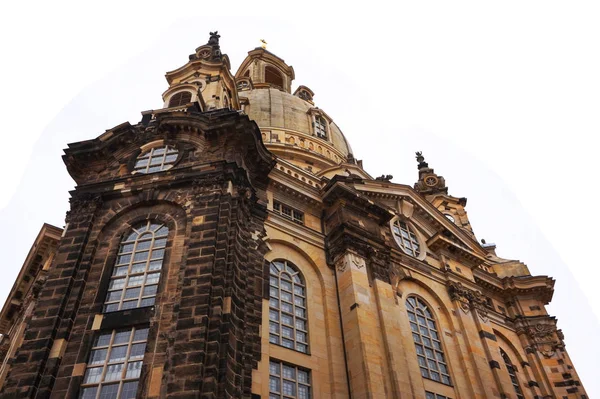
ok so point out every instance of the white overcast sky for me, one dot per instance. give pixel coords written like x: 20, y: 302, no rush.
x: 502, y: 98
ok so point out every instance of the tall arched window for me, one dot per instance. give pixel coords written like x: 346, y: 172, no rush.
x: 134, y: 281
x: 179, y: 99
x: 287, y: 307
x: 273, y: 76
x: 428, y: 343
x: 512, y: 372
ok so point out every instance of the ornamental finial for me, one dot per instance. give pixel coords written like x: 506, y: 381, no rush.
x: 421, y: 160
x: 263, y: 44
x: 214, y: 38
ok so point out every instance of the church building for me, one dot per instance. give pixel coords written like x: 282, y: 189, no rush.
x: 230, y: 245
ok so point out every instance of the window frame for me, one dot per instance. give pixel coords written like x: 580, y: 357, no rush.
x: 142, y: 229
x: 281, y: 379
x: 433, y: 395
x: 107, y: 363
x: 296, y: 310
x: 160, y: 151
x: 430, y: 319
x: 180, y: 99
x: 512, y: 374
x: 320, y: 120
x: 413, y: 238
x: 292, y: 214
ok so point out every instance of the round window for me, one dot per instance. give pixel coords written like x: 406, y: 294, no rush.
x: 406, y: 238
x: 156, y: 160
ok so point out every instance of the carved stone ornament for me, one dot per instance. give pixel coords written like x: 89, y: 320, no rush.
x: 83, y: 204
x: 397, y: 274
x: 357, y: 261
x: 341, y: 265
x: 468, y: 299
x: 542, y: 334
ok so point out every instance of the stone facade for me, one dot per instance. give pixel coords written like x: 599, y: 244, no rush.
x: 382, y: 289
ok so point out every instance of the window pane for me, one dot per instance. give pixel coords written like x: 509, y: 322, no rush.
x: 103, y: 340
x: 92, y: 375
x: 129, y: 390
x: 141, y: 334
x: 132, y: 293
x: 122, y: 337
x: 134, y: 369
x: 274, y: 384
x: 109, y: 391
x: 137, y: 351
x: 118, y: 354
x: 303, y: 377
x: 98, y: 356
x: 114, y: 372
x: 147, y: 302
x: 89, y: 393
x: 116, y: 284
x: 114, y: 296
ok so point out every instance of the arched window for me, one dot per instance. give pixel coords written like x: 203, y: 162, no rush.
x: 134, y: 281
x: 428, y: 344
x: 273, y: 76
x: 156, y: 160
x: 406, y: 238
x: 287, y: 307
x: 512, y: 374
x: 179, y: 99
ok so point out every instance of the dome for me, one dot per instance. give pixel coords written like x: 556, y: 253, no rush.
x: 292, y: 127
x: 287, y: 123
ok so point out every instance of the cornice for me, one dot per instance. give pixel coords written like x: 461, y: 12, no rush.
x: 425, y: 209
x: 439, y: 242
x: 283, y: 182
x: 342, y: 187
x: 541, y: 287
x: 295, y: 230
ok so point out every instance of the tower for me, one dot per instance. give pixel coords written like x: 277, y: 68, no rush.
x: 230, y: 245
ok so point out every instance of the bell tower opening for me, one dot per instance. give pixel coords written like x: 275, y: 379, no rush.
x: 272, y: 76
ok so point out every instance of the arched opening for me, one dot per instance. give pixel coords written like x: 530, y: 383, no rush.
x: 288, y: 317
x: 273, y: 77
x: 179, y: 99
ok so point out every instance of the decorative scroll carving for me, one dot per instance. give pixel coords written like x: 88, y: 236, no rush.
x: 468, y: 299
x: 357, y: 261
x: 341, y: 265
x: 397, y: 274
x: 541, y: 333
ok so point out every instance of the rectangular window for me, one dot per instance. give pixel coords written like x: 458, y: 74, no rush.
x: 431, y: 395
x: 288, y: 212
x: 114, y: 365
x: 320, y: 127
x: 287, y: 381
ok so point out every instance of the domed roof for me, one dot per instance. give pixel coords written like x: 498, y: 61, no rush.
x: 273, y: 108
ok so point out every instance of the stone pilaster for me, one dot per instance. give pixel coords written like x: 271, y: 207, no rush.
x: 366, y: 363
